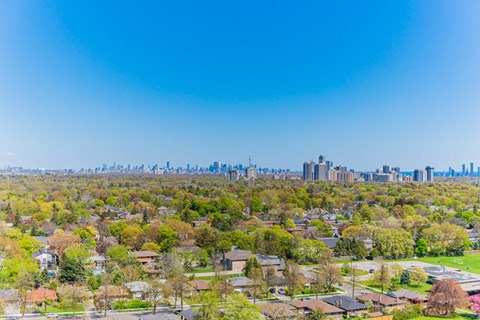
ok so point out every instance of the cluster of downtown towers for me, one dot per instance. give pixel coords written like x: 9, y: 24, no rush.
x: 325, y: 171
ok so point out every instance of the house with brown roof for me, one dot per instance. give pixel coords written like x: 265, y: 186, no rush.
x: 278, y: 311
x: 235, y: 260
x: 381, y: 300
x: 410, y: 296
x: 200, y: 285
x: 145, y: 257
x: 307, y: 307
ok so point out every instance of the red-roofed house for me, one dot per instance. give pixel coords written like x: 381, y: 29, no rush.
x: 40, y: 296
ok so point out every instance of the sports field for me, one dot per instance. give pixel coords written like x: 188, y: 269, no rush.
x: 469, y: 263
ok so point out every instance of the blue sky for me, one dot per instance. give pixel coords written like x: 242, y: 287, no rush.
x: 363, y: 82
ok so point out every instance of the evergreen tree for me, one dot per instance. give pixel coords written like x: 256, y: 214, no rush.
x: 253, y: 268
x: 72, y: 270
x: 405, y: 277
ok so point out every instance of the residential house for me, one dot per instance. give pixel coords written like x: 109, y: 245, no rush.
x: 411, y: 296
x: 46, y: 259
x: 274, y: 263
x: 235, y: 260
x: 44, y: 240
x: 241, y: 284
x: 474, y: 236
x: 350, y: 307
x: 330, y: 242
x: 115, y: 212
x: 138, y: 289
x: 145, y: 257
x: 200, y: 285
x: 114, y: 293
x: 40, y: 296
x: 278, y: 311
x: 307, y: 307
x: 11, y: 300
x: 167, y: 212
x: 381, y: 300
x: 98, y: 261
x: 187, y: 314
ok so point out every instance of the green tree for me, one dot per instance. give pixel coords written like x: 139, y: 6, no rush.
x: 207, y: 306
x: 167, y: 238
x: 24, y: 283
x: 418, y: 274
x: 253, y: 268
x: 293, y: 278
x: 382, y: 276
x: 405, y: 278
x: 330, y: 274
x: 421, y: 247
x: 318, y: 314
x: 72, y: 265
x: 239, y: 308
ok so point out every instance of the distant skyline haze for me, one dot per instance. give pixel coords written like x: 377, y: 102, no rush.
x: 364, y: 83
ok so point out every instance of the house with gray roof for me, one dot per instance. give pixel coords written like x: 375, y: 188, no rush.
x: 269, y: 262
x: 350, y: 307
x: 46, y: 259
x: 241, y: 283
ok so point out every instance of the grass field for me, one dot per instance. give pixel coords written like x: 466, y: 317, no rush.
x: 471, y: 261
x: 423, y: 288
x: 453, y: 316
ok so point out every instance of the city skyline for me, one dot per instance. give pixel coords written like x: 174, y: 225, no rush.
x: 375, y: 82
x: 217, y: 166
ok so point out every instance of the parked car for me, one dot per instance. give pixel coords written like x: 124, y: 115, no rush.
x: 282, y: 291
x: 371, y: 271
x: 52, y: 315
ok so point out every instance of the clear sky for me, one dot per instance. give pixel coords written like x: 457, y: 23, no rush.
x: 363, y: 82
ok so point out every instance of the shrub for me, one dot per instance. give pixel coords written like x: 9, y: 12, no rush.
x: 132, y: 304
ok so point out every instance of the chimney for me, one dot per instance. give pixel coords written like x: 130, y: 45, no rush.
x: 336, y: 303
x: 341, y: 301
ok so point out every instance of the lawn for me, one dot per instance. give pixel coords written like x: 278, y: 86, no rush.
x: 358, y: 272
x: 52, y: 309
x: 453, y: 316
x: 423, y: 288
x: 195, y: 271
x: 225, y: 276
x: 471, y: 261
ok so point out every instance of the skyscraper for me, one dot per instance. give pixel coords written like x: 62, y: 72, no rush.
x: 251, y: 173
x: 233, y: 175
x: 322, y: 159
x: 308, y: 170
x: 429, y: 174
x: 320, y: 172
x: 418, y: 175
x: 471, y: 169
x: 463, y: 169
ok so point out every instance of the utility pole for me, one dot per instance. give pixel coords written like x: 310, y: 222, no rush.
x: 352, y: 270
